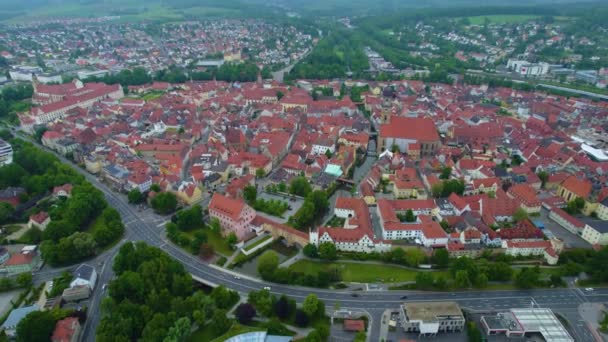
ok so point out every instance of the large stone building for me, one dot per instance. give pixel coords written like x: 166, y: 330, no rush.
x: 234, y: 215
x: 408, y: 133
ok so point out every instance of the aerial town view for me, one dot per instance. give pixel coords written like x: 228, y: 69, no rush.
x: 289, y: 170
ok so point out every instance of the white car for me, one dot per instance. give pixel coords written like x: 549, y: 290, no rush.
x: 589, y: 289
x: 267, y: 288
x: 237, y: 277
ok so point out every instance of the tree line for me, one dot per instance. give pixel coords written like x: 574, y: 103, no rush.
x: 65, y: 240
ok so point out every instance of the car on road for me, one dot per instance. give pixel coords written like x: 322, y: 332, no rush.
x: 354, y: 295
x: 237, y: 277
x: 103, y: 288
x: 403, y: 297
x: 589, y: 289
x: 267, y: 288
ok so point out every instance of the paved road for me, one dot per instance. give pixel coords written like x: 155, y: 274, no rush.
x: 141, y: 227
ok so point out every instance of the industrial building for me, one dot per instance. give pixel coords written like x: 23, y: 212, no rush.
x: 430, y: 318
x: 518, y: 323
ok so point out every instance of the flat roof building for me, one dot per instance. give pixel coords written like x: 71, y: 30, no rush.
x: 6, y: 153
x: 430, y: 318
x: 519, y: 322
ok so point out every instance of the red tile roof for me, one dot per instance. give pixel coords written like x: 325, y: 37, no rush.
x: 227, y: 206
x: 354, y: 325
x: 420, y: 129
x: 65, y: 329
x: 579, y: 187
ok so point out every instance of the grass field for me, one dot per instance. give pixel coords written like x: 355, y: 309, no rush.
x: 364, y: 273
x: 152, y: 95
x: 501, y: 19
x: 257, y: 243
x: 129, y: 11
x: 219, y: 243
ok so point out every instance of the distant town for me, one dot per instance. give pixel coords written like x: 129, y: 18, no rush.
x: 464, y: 156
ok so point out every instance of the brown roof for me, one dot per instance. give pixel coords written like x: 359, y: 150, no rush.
x: 579, y: 187
x: 354, y: 325
x: 420, y: 129
x: 227, y: 206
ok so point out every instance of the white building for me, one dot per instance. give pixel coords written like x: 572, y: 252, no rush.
x: 431, y: 318
x: 84, y: 275
x: 526, y: 68
x: 6, y: 153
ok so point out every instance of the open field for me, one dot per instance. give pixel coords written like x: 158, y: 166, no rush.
x: 129, y: 11
x: 501, y: 19
x: 364, y: 273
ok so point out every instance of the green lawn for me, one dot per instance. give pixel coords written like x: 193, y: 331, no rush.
x: 219, y: 243
x: 152, y: 95
x: 364, y: 273
x: 257, y: 243
x: 501, y: 19
x: 204, y: 334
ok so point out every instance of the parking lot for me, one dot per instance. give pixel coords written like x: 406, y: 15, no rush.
x: 570, y: 240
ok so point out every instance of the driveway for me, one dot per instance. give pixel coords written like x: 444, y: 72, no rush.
x: 570, y: 240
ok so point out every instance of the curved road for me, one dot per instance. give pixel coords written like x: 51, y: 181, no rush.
x: 564, y: 300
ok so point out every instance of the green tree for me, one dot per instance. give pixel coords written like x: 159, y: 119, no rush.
x: 360, y: 337
x: 424, y: 280
x: 179, y: 331
x: 310, y: 251
x: 36, y: 326
x: 232, y: 239
x: 544, y: 177
x: 264, y: 302
x: 268, y: 264
x: 437, y: 190
x: 520, y: 215
x: 250, y: 194
x: 223, y: 297
x: 164, y: 203
x: 409, y: 216
x: 135, y: 196
x: 328, y: 251
x: 155, y: 188
x: 260, y: 173
x: 189, y: 219
x: 24, y: 280
x: 311, y: 305
x: 441, y: 257
x: 527, y: 277
x: 300, y: 186
x: 446, y: 172
x: 6, y: 212
x: 414, y: 257
x: 462, y: 280
x: 500, y: 271
x: 481, y: 280
x: 219, y: 322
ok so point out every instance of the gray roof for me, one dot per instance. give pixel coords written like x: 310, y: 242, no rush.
x: 84, y: 271
x: 17, y: 315
x: 600, y: 226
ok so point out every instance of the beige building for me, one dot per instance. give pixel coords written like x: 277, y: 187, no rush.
x: 430, y: 318
x: 596, y: 232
